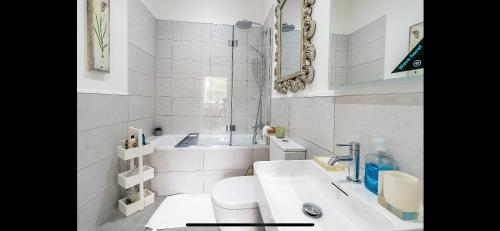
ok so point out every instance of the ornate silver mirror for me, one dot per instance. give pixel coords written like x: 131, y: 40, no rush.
x: 295, y: 52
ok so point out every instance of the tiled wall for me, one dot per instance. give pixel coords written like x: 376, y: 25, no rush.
x: 320, y: 122
x: 308, y: 121
x: 359, y: 56
x: 188, y: 54
x: 103, y: 121
x: 396, y: 117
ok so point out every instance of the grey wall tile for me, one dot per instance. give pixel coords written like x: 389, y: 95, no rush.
x: 220, y: 53
x: 146, y: 124
x: 187, y: 31
x: 96, y: 110
x: 165, y: 122
x: 240, y: 54
x: 140, y: 107
x: 239, y: 89
x: 95, y: 144
x: 253, y: 56
x: 186, y: 106
x: 139, y: 60
x: 186, y: 50
x: 140, y: 37
x: 397, y: 118
x: 312, y: 149
x: 186, y: 88
x: 185, y: 124
x: 97, y: 210
x: 164, y: 48
x: 280, y: 112
x: 254, y: 72
x: 340, y: 76
x: 367, y: 53
x: 368, y: 33
x: 206, y: 31
x: 366, y: 72
x: 186, y: 69
x: 93, y: 179
x: 140, y: 84
x: 221, y: 70
x: 312, y: 119
x: 141, y: 14
x: 163, y: 105
x: 164, y: 68
x: 255, y: 36
x: 163, y: 87
x: 240, y: 71
x: 241, y: 35
x: 222, y: 33
x: 165, y: 29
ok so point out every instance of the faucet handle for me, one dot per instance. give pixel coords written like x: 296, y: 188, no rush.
x: 351, y: 145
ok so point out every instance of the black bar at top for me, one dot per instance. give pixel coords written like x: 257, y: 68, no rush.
x: 251, y: 224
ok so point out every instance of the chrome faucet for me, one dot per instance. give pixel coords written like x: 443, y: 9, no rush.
x: 353, y: 157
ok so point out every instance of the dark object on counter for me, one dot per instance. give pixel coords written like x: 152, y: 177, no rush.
x: 126, y: 144
x: 158, y: 132
x: 189, y: 140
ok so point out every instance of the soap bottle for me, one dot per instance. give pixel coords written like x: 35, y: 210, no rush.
x: 375, y: 162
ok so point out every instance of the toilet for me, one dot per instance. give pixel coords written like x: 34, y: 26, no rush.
x: 235, y: 201
x: 235, y: 198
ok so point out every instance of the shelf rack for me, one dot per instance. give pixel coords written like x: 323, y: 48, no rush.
x: 135, y: 175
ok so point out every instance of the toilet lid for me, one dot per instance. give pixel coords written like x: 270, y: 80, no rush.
x: 235, y: 193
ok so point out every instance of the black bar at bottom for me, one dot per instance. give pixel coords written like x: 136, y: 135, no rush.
x: 251, y: 224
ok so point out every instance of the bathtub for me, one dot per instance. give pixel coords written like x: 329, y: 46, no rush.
x: 168, y: 141
x: 195, y: 169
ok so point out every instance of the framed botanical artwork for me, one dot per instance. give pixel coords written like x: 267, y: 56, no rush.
x: 98, y: 35
x: 416, y: 34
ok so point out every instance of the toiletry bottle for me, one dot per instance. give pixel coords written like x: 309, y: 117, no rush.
x: 143, y: 139
x: 375, y: 162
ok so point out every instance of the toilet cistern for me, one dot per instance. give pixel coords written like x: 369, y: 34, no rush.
x: 353, y: 158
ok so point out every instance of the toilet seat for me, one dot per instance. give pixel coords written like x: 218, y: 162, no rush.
x: 235, y: 193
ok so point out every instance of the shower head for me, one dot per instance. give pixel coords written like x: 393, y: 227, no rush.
x: 245, y: 24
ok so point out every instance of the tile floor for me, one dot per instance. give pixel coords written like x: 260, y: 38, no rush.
x: 137, y: 221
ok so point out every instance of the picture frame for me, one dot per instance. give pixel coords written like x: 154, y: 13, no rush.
x: 98, y: 35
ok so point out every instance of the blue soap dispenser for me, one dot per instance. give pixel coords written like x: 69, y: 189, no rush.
x: 375, y: 162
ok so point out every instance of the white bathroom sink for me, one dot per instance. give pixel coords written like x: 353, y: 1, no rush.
x: 284, y: 186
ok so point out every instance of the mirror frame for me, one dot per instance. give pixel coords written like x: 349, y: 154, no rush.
x: 295, y: 81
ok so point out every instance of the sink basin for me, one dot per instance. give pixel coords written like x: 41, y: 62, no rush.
x: 284, y: 186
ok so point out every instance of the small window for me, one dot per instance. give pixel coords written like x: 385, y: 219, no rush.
x: 215, y: 90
